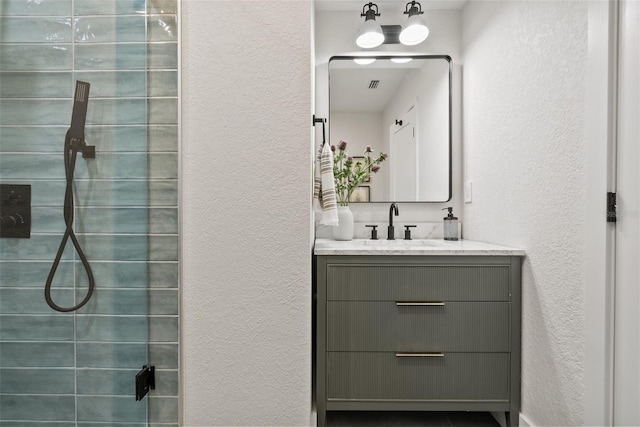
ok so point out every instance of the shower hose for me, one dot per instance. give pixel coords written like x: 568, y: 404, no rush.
x: 71, y: 148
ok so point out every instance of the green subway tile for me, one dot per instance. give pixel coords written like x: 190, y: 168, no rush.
x: 115, y: 274
x: 36, y: 355
x: 112, y: 220
x: 163, y: 329
x: 47, y: 220
x: 163, y: 220
x: 163, y: 301
x: 112, y: 328
x: 37, y: 408
x: 37, y: 381
x: 35, y: 85
x: 162, y: 28
x: 31, y: 165
x: 38, y: 247
x: 163, y: 138
x: 36, y: 328
x: 163, y: 356
x: 34, y: 274
x: 112, y: 57
x: 44, y: 192
x: 112, y: 29
x: 110, y: 424
x: 115, y: 83
x: 128, y: 138
x: 163, y: 83
x: 36, y: 30
x: 116, y: 302
x: 163, y: 248
x: 166, y: 383
x: 29, y: 139
x: 163, y: 165
x: 163, y: 6
x: 35, y: 112
x: 36, y: 8
x: 163, y: 409
x: 122, y: 111
x: 39, y: 424
x: 111, y: 355
x: 163, y: 274
x: 163, y: 192
x: 107, y: 382
x: 163, y: 56
x: 17, y: 57
x: 114, y: 166
x: 130, y: 247
x: 111, y: 409
x: 109, y: 7
x: 31, y: 300
x: 163, y: 111
x: 113, y: 193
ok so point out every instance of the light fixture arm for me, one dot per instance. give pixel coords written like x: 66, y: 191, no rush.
x: 413, y: 10
x: 370, y: 13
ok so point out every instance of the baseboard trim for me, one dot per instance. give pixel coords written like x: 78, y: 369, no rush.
x: 525, y: 422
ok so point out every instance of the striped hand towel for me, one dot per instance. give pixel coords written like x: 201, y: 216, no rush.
x: 324, y: 187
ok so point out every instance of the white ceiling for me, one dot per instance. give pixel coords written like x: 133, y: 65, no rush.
x: 350, y: 88
x: 346, y: 5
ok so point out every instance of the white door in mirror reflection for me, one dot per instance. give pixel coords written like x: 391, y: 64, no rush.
x: 403, y: 157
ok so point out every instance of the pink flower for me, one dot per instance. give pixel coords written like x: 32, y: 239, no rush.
x: 342, y: 146
x: 368, y: 149
x: 333, y: 148
x: 375, y: 168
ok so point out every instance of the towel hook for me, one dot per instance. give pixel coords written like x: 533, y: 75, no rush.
x: 323, y: 121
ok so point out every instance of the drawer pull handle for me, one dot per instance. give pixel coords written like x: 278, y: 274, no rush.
x: 418, y: 304
x: 419, y: 355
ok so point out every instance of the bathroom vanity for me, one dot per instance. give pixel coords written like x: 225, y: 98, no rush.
x: 418, y: 325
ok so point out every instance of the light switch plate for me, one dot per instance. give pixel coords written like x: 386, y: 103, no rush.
x: 467, y: 191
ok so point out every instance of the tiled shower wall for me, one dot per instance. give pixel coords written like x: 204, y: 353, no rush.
x: 78, y: 369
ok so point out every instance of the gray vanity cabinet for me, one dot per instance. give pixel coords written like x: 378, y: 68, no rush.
x: 432, y: 333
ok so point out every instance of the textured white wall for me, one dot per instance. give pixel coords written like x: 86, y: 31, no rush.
x: 246, y: 192
x: 523, y: 138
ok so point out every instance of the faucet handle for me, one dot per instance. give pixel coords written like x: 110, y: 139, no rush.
x: 374, y: 231
x: 407, y: 231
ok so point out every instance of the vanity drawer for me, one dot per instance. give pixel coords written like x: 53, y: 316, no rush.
x: 387, y: 376
x: 353, y: 282
x: 391, y: 326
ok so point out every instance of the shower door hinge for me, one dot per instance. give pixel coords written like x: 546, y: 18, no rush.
x: 611, y: 207
x: 145, y: 381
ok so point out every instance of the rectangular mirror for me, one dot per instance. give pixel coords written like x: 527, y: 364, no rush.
x: 400, y: 105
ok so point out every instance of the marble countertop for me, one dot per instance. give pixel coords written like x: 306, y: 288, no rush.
x: 412, y: 247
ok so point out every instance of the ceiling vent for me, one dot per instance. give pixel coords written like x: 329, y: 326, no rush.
x: 374, y: 84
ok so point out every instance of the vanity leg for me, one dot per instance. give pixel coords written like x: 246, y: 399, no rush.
x: 512, y: 418
x: 322, y: 418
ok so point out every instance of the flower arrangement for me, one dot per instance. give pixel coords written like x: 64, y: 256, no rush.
x: 348, y: 175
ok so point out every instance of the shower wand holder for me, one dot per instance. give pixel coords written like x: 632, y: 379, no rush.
x: 88, y: 151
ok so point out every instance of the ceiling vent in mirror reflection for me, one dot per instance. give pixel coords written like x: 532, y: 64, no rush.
x: 417, y: 94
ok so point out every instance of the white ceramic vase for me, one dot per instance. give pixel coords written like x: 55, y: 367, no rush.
x: 344, y: 229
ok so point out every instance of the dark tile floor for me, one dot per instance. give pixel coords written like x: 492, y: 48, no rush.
x: 410, y: 419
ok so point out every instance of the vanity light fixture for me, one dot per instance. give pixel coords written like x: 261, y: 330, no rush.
x: 364, y: 60
x: 414, y: 30
x: 370, y: 33
x: 401, y: 59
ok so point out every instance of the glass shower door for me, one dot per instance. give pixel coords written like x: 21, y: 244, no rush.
x: 79, y: 368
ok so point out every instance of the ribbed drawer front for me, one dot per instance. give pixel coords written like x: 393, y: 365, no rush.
x: 411, y: 282
x: 383, y: 376
x: 385, y: 326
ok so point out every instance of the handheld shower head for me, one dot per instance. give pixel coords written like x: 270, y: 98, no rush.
x: 79, y: 114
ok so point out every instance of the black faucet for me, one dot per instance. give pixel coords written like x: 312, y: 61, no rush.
x: 390, y: 232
